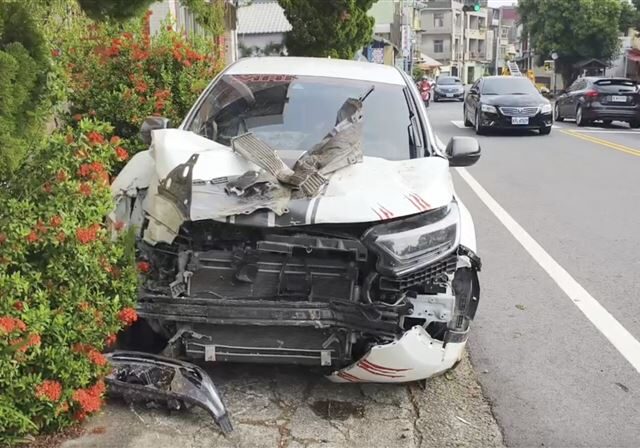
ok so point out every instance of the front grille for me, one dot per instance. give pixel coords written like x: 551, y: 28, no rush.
x: 519, y: 111
x: 429, y: 274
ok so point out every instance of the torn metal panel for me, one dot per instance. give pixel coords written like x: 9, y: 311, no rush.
x: 145, y: 377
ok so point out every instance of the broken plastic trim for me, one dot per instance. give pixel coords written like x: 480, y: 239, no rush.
x: 177, y: 185
x: 140, y: 376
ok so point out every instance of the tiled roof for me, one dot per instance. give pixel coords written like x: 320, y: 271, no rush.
x: 262, y: 17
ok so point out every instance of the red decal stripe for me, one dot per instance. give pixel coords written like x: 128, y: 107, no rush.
x: 379, y: 367
x: 422, y: 202
x: 348, y: 377
x: 375, y: 372
x: 386, y: 211
x: 414, y: 202
x: 378, y: 213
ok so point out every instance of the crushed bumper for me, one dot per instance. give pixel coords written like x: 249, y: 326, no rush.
x: 140, y: 376
x: 415, y: 356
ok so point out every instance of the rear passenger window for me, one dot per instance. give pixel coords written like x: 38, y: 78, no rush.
x: 615, y: 85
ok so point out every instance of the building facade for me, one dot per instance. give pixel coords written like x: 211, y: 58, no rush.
x: 172, y: 11
x: 457, y: 39
x: 262, y: 27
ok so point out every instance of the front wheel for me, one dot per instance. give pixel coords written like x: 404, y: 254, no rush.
x: 545, y: 131
x: 634, y: 124
x: 556, y: 114
x: 480, y: 130
x: 467, y: 122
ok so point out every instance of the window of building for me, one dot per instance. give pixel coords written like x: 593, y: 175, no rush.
x: 438, y: 46
x: 438, y: 20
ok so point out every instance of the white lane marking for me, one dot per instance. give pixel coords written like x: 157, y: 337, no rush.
x: 620, y: 338
x: 458, y: 123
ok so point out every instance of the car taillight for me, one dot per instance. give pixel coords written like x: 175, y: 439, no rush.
x: 591, y: 94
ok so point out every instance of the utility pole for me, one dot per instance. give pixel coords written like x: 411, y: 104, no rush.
x: 498, y: 38
x: 464, y: 44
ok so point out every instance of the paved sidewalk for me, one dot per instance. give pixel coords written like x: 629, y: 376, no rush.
x: 294, y: 408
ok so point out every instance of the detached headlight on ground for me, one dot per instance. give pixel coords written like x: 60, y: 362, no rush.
x: 488, y: 108
x: 409, y: 244
x: 546, y: 109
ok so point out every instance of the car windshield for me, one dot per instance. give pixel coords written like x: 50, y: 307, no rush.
x: 293, y: 113
x: 448, y: 81
x: 508, y: 85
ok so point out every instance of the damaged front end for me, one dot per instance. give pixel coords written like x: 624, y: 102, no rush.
x: 326, y: 295
x: 241, y: 270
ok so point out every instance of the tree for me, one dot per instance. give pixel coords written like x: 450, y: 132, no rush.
x: 334, y: 28
x: 629, y: 16
x: 575, y: 29
x: 23, y: 67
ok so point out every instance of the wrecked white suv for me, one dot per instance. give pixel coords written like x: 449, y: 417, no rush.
x: 303, y: 213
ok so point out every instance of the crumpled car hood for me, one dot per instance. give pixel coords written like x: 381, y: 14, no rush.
x: 374, y: 190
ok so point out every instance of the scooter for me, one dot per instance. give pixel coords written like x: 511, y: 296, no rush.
x: 425, y: 93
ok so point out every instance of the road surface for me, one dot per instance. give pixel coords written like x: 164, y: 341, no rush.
x: 539, y: 344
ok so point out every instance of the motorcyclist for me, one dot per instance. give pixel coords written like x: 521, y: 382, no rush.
x: 424, y: 83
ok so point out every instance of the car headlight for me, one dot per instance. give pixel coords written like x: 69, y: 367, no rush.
x: 546, y: 109
x: 488, y: 108
x: 408, y: 244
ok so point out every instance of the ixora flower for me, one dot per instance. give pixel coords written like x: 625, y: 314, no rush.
x: 110, y: 340
x: 128, y: 316
x: 9, y: 324
x: 121, y: 153
x: 85, y: 189
x: 55, y: 221
x: 89, y: 399
x: 32, y: 237
x: 95, y: 138
x: 49, y: 390
x: 86, y: 235
x: 144, y: 266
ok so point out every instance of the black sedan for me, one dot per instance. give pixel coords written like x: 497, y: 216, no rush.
x: 507, y: 102
x: 448, y: 88
x: 605, y: 99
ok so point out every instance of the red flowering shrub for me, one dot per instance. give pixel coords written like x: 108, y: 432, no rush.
x: 121, y: 74
x: 66, y: 287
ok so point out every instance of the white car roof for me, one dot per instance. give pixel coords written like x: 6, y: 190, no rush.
x: 331, y: 68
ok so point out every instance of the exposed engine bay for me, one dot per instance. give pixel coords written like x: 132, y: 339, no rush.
x: 297, y: 295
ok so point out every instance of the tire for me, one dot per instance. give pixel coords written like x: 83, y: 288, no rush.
x: 467, y: 123
x: 461, y: 100
x: 556, y: 113
x: 634, y: 124
x: 480, y: 130
x: 545, y: 131
x: 606, y: 122
x: 580, y: 121
x: 436, y: 99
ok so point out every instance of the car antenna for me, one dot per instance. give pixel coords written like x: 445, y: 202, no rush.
x: 367, y: 93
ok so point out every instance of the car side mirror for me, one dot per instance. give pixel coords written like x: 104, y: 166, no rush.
x: 473, y: 91
x: 151, y: 124
x: 463, y: 151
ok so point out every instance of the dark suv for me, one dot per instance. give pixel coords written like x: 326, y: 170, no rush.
x: 606, y: 99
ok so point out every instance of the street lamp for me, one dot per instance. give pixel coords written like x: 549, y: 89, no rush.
x: 554, y: 56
